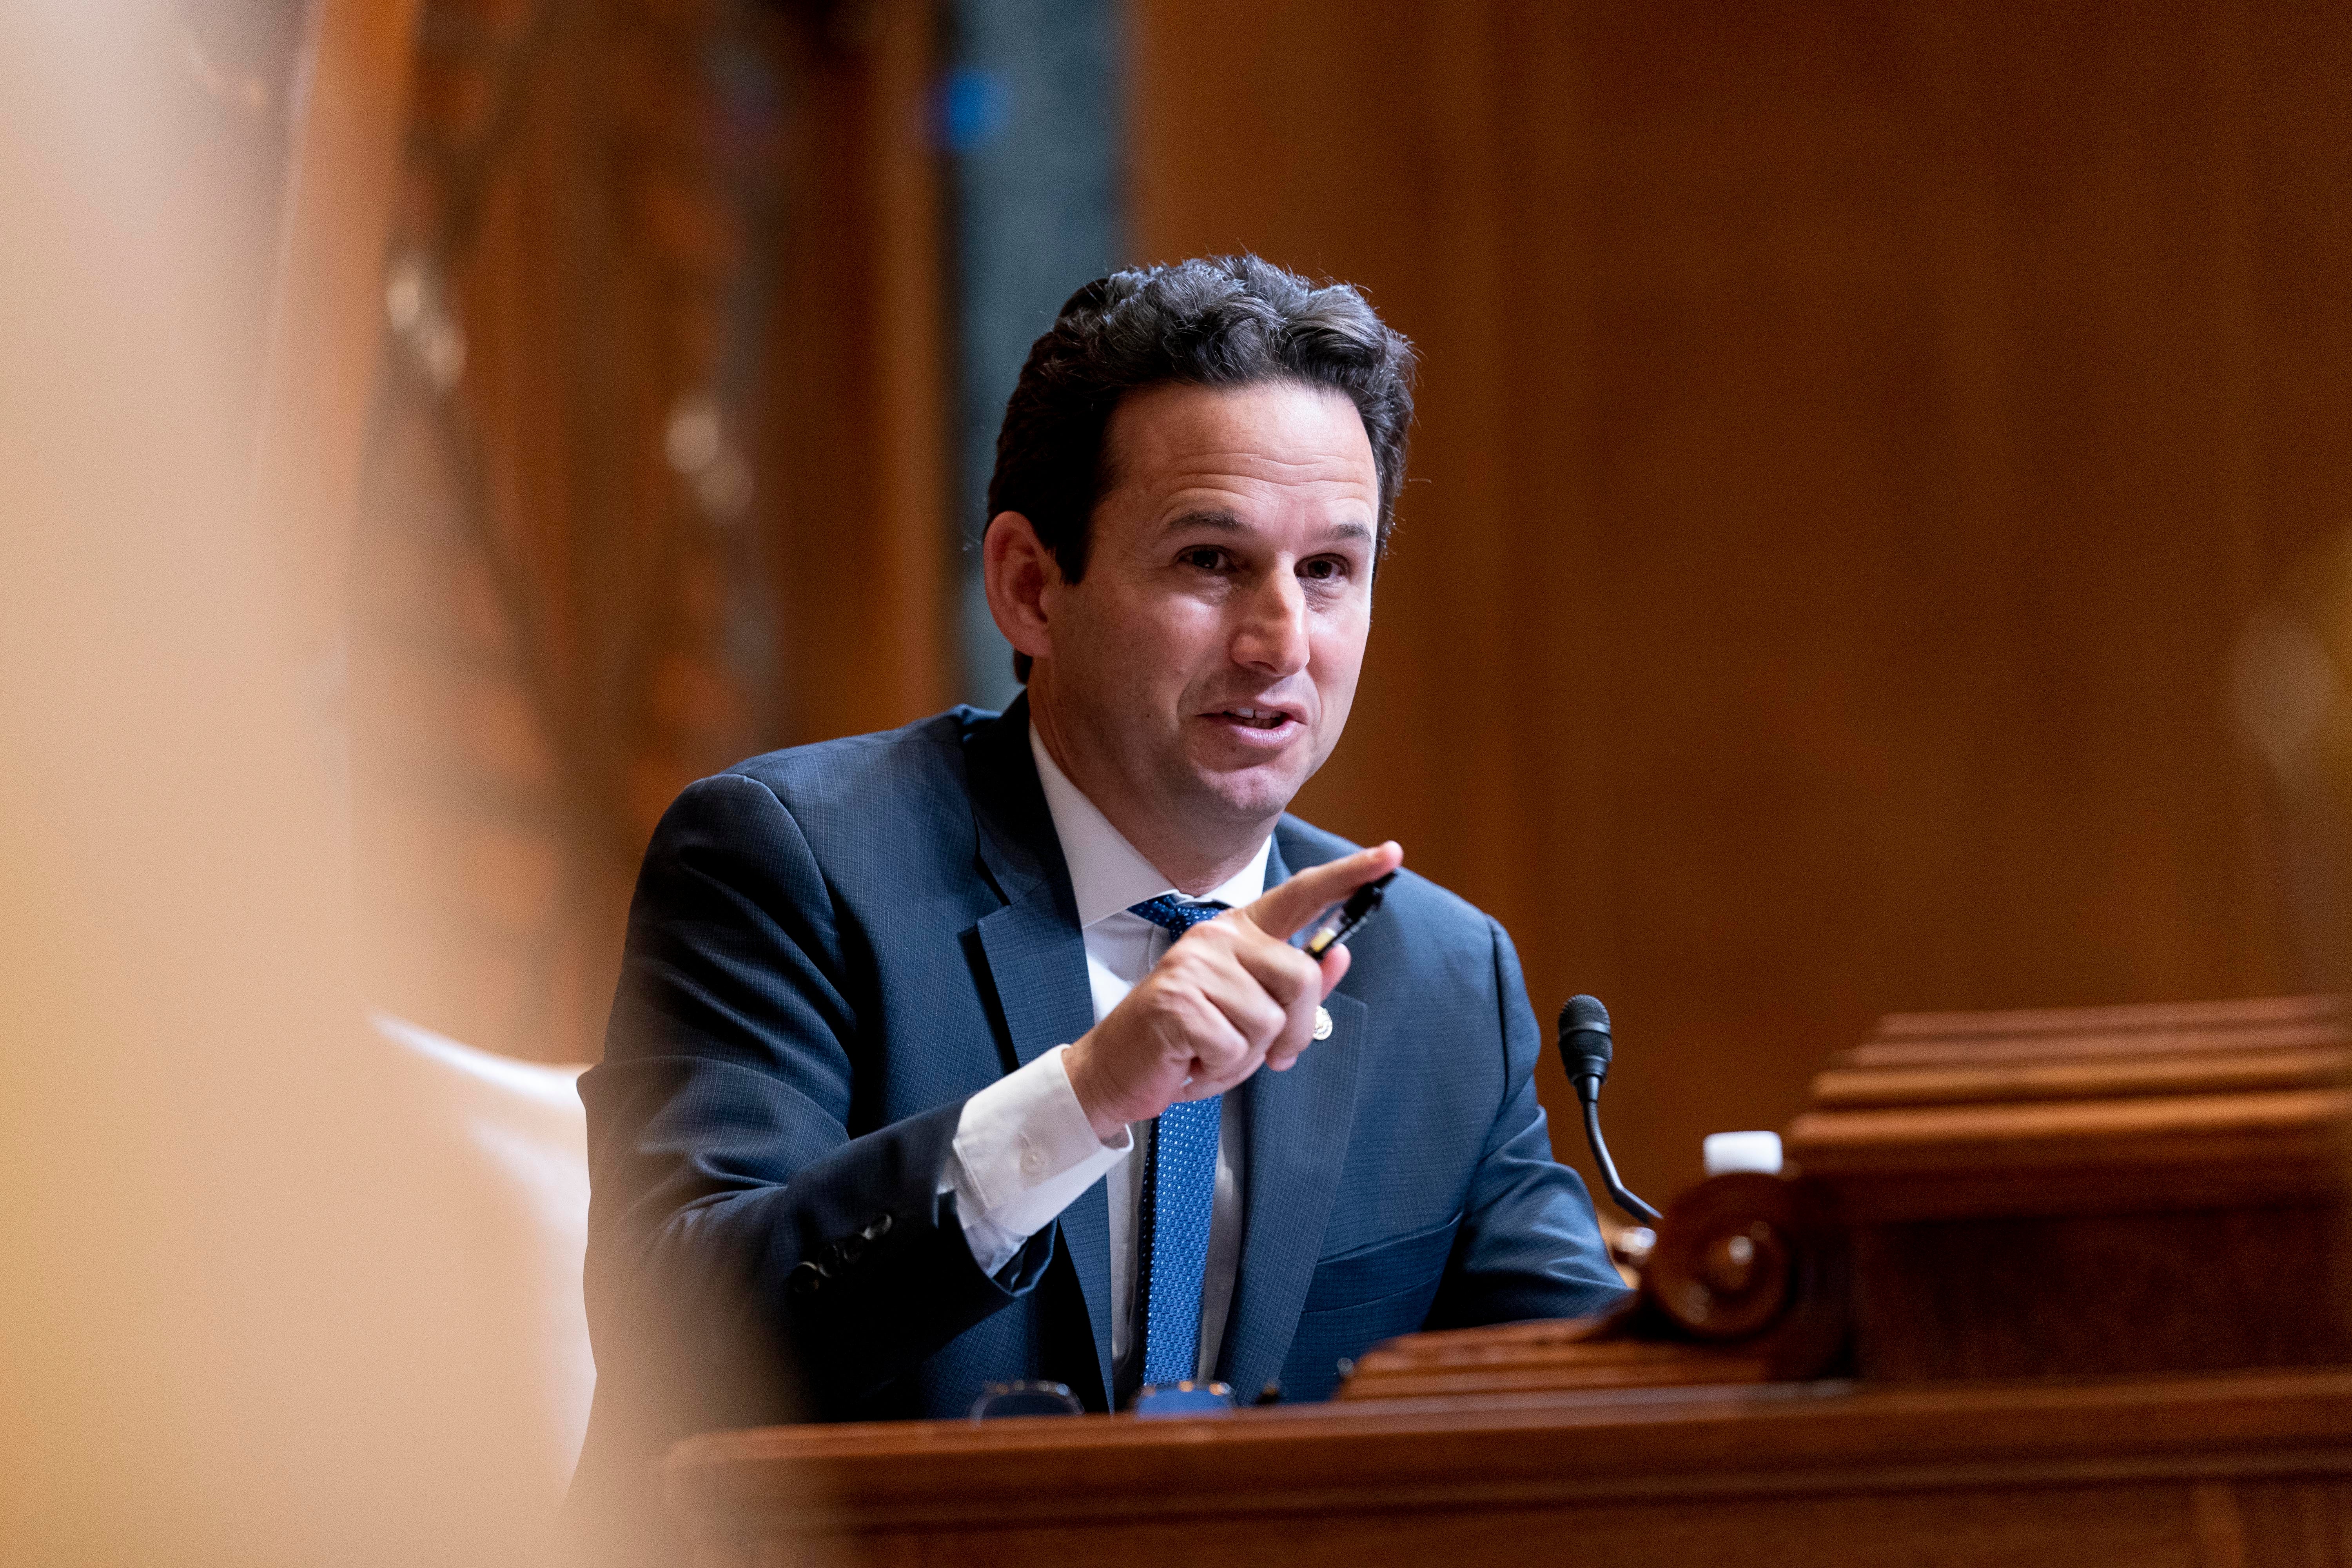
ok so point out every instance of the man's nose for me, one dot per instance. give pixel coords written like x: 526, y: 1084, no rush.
x: 1273, y: 633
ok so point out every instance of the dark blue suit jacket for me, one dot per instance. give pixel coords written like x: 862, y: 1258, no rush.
x: 831, y: 948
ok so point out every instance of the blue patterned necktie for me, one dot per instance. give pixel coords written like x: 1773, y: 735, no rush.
x: 1179, y: 1187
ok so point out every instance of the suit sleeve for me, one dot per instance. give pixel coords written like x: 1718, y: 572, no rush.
x: 741, y: 1242
x: 1529, y: 1245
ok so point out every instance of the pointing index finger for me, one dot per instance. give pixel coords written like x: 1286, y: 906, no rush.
x: 1283, y: 909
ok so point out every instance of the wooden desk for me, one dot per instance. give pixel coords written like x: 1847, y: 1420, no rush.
x: 2221, y: 1470
x: 2084, y: 1266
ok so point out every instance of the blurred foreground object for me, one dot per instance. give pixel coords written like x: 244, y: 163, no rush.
x: 2053, y: 1286
x: 239, y: 1322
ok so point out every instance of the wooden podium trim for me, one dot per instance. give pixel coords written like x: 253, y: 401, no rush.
x: 2140, y: 1019
x: 2085, y: 1110
x: 1539, y: 1357
x: 2196, y: 1069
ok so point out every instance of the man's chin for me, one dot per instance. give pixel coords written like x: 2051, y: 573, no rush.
x: 1246, y: 795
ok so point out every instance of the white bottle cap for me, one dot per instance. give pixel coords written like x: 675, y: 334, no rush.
x: 1727, y: 1151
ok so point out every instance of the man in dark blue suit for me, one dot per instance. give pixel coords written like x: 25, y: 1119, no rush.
x: 937, y: 1055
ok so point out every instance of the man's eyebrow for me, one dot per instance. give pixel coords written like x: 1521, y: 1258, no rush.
x: 1214, y: 519
x: 1217, y: 521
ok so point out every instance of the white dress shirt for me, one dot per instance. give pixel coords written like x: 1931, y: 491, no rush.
x: 1024, y: 1148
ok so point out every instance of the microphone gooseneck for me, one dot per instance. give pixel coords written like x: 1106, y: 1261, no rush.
x: 1586, y: 1049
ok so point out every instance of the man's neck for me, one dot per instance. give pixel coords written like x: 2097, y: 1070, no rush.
x: 1195, y: 859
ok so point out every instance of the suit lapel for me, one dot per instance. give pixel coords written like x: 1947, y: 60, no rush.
x: 1037, y: 959
x: 1036, y: 955
x: 1298, y: 1126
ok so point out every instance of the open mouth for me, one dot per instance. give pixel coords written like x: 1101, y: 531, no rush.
x: 1257, y: 717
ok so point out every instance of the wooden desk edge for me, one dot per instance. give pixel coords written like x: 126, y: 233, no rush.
x: 1497, y: 1450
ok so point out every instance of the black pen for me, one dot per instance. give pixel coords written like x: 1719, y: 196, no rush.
x: 1344, y: 921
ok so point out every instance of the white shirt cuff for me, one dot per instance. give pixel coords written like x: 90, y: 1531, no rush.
x: 1023, y: 1152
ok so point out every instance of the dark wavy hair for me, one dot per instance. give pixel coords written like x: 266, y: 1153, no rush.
x: 1216, y: 321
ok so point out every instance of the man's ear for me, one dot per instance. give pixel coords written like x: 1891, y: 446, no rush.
x: 1016, y: 569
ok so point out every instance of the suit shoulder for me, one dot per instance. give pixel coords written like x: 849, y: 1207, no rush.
x: 878, y: 811
x: 918, y: 763
x: 1430, y: 908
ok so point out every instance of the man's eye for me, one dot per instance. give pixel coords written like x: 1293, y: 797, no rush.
x: 1321, y: 570
x: 1206, y: 557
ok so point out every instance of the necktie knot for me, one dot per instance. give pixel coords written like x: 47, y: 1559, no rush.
x: 1174, y: 915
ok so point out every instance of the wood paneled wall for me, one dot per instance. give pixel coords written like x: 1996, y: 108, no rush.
x: 1852, y: 438
x: 658, y: 473
x: 855, y: 435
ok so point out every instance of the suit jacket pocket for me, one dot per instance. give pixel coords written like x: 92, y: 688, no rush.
x: 1387, y: 1269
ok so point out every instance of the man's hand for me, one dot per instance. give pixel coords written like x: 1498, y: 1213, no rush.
x: 1230, y: 996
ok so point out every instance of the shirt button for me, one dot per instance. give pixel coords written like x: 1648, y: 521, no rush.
x: 1032, y: 1160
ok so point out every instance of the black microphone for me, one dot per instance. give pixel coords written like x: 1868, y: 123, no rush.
x: 1586, y: 1047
